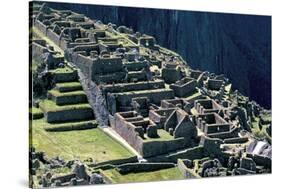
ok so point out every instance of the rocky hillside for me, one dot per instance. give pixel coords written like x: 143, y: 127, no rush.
x: 237, y: 45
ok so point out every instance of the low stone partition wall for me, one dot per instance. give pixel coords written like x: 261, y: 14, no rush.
x: 142, y: 167
x: 132, y: 159
x: 124, y: 87
x: 197, y: 152
x: 236, y: 140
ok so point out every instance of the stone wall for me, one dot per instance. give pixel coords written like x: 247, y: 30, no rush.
x: 185, y: 171
x: 127, y: 131
x: 69, y: 115
x: 115, y: 88
x: 184, y: 87
x: 155, y: 96
x: 154, y: 148
x: 160, y: 116
x: 143, y: 167
x: 196, y: 152
x: 37, y: 51
x: 132, y: 159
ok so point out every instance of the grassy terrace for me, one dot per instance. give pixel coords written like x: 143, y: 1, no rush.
x: 35, y: 113
x: 56, y: 93
x: 35, y: 110
x: 48, y: 105
x: 78, y: 125
x: 62, y: 70
x: 82, y: 144
x: 161, y: 175
x: 163, y: 136
x: 68, y: 84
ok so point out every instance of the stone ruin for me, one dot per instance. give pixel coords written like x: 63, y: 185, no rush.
x: 77, y: 174
x: 163, y: 109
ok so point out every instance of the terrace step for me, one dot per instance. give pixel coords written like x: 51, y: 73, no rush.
x: 67, y: 98
x: 70, y: 126
x: 64, y: 75
x: 35, y: 113
x: 68, y: 86
x: 58, y: 114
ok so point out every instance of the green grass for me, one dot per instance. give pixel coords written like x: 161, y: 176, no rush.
x: 35, y: 113
x: 56, y: 93
x: 62, y: 70
x: 256, y: 130
x: 68, y: 84
x: 163, y: 136
x: 160, y: 175
x: 84, y: 144
x: 35, y: 110
x: 49, y: 105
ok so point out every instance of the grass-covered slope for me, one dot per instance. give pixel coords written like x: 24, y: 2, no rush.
x: 78, y: 144
x: 161, y: 175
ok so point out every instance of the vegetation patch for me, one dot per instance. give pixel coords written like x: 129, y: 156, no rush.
x: 257, y: 132
x: 163, y: 136
x: 68, y: 86
x: 160, y: 175
x: 82, y: 144
x: 57, y: 93
x: 50, y: 106
x: 62, y: 70
x: 35, y: 113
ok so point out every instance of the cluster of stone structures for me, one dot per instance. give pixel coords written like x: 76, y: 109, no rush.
x: 77, y: 175
x: 149, y: 95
